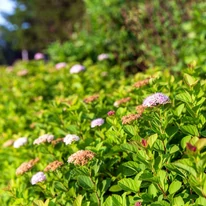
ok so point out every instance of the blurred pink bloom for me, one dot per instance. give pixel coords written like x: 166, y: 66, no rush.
x: 155, y: 99
x: 138, y: 204
x: 60, y: 65
x: 97, y: 122
x: 102, y: 57
x: 20, y: 142
x: 76, y: 69
x: 38, y: 56
x: 23, y: 72
x: 38, y: 177
x: 111, y: 113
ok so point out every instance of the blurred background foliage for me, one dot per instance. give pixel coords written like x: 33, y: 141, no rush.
x: 137, y: 34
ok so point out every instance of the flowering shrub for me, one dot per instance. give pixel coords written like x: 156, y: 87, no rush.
x: 148, y: 148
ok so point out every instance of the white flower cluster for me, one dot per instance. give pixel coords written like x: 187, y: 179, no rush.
x: 38, y: 177
x: 44, y: 138
x: 68, y: 139
x: 20, y: 142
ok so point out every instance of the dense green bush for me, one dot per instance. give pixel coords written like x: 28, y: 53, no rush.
x: 153, y: 155
x: 139, y: 34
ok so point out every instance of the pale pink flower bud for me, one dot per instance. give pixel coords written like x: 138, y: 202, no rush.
x: 76, y: 69
x: 38, y: 177
x: 97, y: 122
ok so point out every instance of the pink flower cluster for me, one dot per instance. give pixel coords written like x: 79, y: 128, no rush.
x: 155, y: 99
x: 38, y: 56
x: 76, y: 69
x: 102, y: 57
x: 97, y: 122
x: 60, y: 65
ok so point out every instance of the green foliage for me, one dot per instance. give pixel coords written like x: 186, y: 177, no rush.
x: 157, y: 159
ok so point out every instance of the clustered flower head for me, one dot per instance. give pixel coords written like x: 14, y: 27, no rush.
x: 60, y: 65
x: 44, y: 138
x: 22, y: 72
x: 53, y: 166
x: 97, y: 122
x: 76, y: 69
x: 70, y: 138
x: 141, y: 83
x: 81, y: 157
x: 140, y: 109
x: 130, y: 118
x: 155, y: 99
x: 56, y: 141
x: 38, y: 56
x: 91, y: 98
x: 102, y: 57
x: 38, y: 177
x: 26, y: 166
x: 20, y: 142
x: 111, y: 113
x: 8, y: 143
x: 121, y: 101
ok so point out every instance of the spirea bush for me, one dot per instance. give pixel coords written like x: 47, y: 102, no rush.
x: 99, y: 138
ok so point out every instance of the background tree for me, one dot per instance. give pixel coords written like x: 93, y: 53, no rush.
x: 35, y: 24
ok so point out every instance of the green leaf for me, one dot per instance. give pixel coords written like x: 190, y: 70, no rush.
x: 185, y: 165
x: 132, y: 130
x: 174, y: 149
x: 201, y: 201
x: 200, y: 143
x: 152, y: 190
x: 147, y: 176
x: 189, y: 80
x: 130, y: 168
x: 114, y: 200
x: 78, y: 201
x: 115, y: 188
x: 190, y: 129
x: 179, y: 110
x: 178, y: 201
x: 128, y: 185
x: 160, y: 203
x: 85, y: 182
x: 185, y: 140
x: 152, y: 139
x: 175, y: 186
x: 60, y: 186
x: 129, y: 148
x: 184, y: 97
x: 80, y: 171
